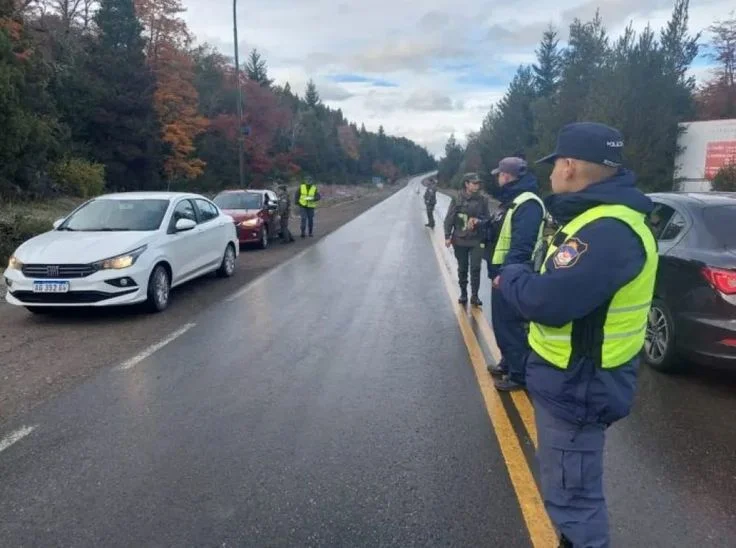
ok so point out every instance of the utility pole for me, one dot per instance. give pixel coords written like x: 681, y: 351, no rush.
x: 241, y: 158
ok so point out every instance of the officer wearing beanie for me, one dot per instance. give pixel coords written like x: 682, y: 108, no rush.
x: 588, y: 313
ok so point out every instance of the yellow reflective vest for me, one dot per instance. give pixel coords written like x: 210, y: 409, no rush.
x: 625, y: 326
x: 307, y: 194
x: 503, y: 244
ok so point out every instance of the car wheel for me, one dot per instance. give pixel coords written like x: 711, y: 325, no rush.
x: 227, y: 268
x: 263, y: 244
x: 659, y: 343
x: 159, y: 289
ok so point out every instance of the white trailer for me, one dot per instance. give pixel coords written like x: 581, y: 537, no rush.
x: 706, y: 148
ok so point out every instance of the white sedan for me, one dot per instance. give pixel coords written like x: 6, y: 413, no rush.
x: 123, y: 249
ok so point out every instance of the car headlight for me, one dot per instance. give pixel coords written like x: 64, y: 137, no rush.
x: 248, y: 223
x: 121, y: 261
x: 14, y: 263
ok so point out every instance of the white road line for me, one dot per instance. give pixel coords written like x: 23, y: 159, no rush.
x: 15, y: 437
x: 135, y: 360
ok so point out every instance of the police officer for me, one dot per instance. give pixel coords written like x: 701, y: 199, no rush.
x: 519, y: 227
x: 430, y: 200
x: 469, y: 204
x: 588, y: 311
x: 285, y: 213
x: 307, y: 196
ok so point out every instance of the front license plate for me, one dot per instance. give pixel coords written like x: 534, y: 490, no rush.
x: 50, y: 287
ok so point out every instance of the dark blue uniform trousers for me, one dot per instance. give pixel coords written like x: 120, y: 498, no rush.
x: 307, y: 219
x: 511, y: 334
x: 571, y: 472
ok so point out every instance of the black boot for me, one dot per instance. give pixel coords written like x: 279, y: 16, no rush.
x: 475, y: 287
x: 565, y: 543
x: 463, y: 295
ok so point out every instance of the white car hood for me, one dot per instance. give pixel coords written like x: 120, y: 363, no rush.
x: 64, y: 247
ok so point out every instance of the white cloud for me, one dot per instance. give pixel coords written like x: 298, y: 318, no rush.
x: 447, y: 60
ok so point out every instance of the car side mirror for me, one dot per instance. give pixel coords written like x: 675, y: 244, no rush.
x: 272, y: 206
x: 58, y: 223
x: 182, y: 225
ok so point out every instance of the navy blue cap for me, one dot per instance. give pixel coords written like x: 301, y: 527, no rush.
x: 590, y: 142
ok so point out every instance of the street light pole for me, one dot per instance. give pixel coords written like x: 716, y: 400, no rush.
x: 241, y: 158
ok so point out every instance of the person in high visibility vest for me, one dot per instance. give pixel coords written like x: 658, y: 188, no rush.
x: 519, y: 228
x: 588, y: 310
x: 307, y: 196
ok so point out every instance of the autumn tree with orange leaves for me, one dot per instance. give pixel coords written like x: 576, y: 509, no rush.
x: 176, y: 99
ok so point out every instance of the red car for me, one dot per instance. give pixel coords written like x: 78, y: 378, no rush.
x: 255, y: 213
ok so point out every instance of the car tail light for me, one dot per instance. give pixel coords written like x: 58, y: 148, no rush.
x: 729, y: 342
x: 722, y: 280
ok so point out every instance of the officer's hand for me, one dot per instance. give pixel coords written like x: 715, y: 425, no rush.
x: 472, y: 222
x: 448, y: 242
x: 497, y: 281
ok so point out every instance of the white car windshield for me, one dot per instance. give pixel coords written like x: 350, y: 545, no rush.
x: 239, y: 200
x: 105, y: 215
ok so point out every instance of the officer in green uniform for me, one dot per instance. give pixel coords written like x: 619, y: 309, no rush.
x: 466, y: 239
x: 430, y: 201
x: 285, y: 213
x: 588, y: 310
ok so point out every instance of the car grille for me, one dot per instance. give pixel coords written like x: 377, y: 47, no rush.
x: 61, y: 271
x: 71, y: 298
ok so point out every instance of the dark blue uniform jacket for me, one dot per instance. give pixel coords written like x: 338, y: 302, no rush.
x: 610, y: 255
x: 524, y: 224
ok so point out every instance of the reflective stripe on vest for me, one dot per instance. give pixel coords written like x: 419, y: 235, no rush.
x: 503, y: 245
x: 306, y: 195
x: 626, y: 319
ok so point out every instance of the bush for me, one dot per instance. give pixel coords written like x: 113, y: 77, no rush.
x: 725, y: 179
x: 15, y: 231
x: 79, y: 177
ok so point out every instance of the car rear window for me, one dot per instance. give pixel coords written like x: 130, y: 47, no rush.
x: 720, y: 222
x: 238, y: 200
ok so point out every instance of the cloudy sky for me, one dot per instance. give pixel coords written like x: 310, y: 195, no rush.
x: 424, y: 69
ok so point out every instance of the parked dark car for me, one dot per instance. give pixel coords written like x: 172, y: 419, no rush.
x: 693, y: 315
x: 255, y: 213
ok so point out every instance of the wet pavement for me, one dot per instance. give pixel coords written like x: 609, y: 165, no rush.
x: 334, y: 402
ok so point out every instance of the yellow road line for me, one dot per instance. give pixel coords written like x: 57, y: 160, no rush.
x: 537, y: 522
x: 520, y: 399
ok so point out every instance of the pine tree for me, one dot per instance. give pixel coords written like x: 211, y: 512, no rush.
x: 548, y: 69
x: 717, y: 99
x: 123, y: 129
x: 256, y: 69
x: 450, y: 163
x: 28, y: 127
x: 311, y: 96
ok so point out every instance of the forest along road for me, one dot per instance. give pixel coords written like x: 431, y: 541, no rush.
x: 42, y: 356
x: 356, y: 411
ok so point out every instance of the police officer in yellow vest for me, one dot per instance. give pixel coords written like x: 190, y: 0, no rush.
x: 307, y: 197
x: 588, y: 311
x: 519, y: 226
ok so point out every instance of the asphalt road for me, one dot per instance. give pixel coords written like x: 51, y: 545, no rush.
x: 338, y: 400
x: 44, y: 356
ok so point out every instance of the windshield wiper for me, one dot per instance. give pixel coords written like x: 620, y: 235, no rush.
x: 110, y: 230
x: 66, y: 229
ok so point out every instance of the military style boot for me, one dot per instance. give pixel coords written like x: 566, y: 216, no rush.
x: 565, y: 543
x: 463, y: 294
x: 475, y: 286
